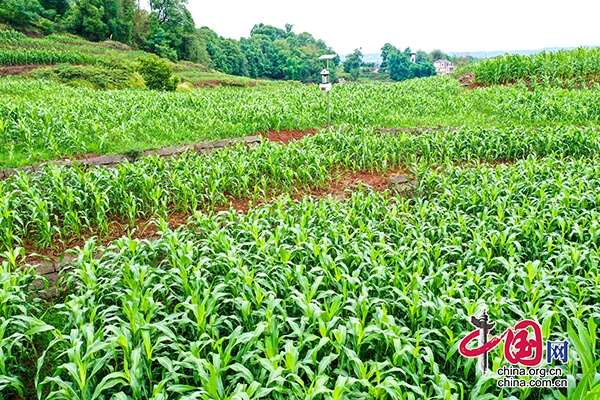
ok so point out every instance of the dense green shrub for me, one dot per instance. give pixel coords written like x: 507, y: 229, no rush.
x: 94, y: 77
x: 158, y: 74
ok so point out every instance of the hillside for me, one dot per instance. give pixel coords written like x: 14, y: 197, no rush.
x: 100, y: 65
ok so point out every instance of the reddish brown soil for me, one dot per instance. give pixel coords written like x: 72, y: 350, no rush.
x: 344, y: 183
x: 475, y: 85
x: 143, y: 229
x: 210, y: 83
x: 349, y: 181
x: 468, y: 80
x: 239, y: 205
x: 287, y: 136
x: 20, y: 69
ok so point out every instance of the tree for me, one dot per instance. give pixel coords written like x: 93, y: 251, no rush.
x: 235, y: 62
x: 462, y: 61
x: 400, y: 66
x: 422, y: 69
x: 158, y: 43
x: 386, y: 51
x: 140, y: 28
x: 271, y: 31
x: 118, y: 17
x: 437, y: 54
x: 176, y: 20
x: 23, y: 13
x: 157, y: 74
x: 258, y: 64
x: 423, y: 56
x: 166, y: 10
x: 59, y: 6
x: 213, y: 48
x: 353, y: 61
x: 85, y: 18
x: 195, y: 49
x: 295, y: 69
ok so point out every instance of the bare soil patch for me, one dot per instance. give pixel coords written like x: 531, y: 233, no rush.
x: 144, y: 228
x: 12, y: 70
x: 212, y: 83
x: 286, y: 136
x: 468, y: 80
x: 351, y: 181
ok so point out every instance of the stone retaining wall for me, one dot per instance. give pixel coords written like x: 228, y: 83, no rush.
x: 106, y: 161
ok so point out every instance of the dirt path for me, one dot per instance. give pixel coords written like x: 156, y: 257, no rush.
x: 48, y: 263
x: 287, y: 136
x: 8, y: 70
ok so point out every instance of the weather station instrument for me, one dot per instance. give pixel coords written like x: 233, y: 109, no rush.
x: 326, y: 85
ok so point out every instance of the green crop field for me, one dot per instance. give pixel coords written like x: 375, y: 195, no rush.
x: 44, y: 120
x: 18, y: 49
x: 567, y: 68
x: 320, y: 288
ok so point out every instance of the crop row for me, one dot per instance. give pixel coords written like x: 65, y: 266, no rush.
x: 12, y: 41
x: 13, y: 38
x: 17, y: 56
x: 44, y: 120
x: 540, y: 67
x: 66, y: 201
x: 366, y: 298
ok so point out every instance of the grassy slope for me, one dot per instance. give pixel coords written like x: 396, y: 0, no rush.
x: 197, y: 74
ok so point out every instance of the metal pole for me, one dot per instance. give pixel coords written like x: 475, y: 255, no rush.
x: 328, y: 103
x: 329, y: 109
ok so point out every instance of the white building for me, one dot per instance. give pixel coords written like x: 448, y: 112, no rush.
x: 443, y: 67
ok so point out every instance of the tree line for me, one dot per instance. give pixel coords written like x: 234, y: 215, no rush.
x: 167, y: 29
x: 397, y: 64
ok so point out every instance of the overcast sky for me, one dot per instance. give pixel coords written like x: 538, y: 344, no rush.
x: 452, y: 26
